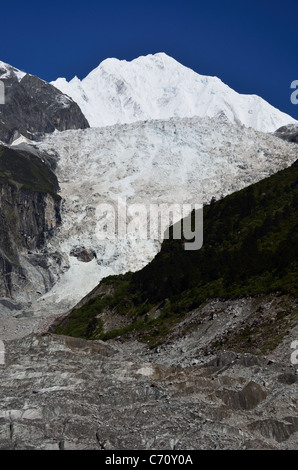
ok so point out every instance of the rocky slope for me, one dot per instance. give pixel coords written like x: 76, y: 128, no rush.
x: 70, y: 394
x: 158, y: 87
x: 33, y: 107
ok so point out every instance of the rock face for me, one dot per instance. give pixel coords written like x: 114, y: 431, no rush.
x: 67, y: 393
x: 29, y: 214
x: 28, y: 218
x: 33, y: 107
x: 82, y: 254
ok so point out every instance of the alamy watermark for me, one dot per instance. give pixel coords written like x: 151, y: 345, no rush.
x: 2, y: 93
x: 140, y: 221
x: 294, y: 95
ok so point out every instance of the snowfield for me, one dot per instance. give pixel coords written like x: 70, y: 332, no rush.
x: 158, y: 87
x: 186, y: 160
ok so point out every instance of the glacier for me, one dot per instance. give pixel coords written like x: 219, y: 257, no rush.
x: 180, y: 160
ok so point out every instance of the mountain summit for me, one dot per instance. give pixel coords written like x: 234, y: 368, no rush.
x: 158, y: 87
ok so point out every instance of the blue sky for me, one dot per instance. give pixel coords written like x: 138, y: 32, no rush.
x: 250, y: 45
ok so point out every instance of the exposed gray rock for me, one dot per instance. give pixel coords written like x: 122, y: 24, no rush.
x: 248, y: 398
x: 83, y: 254
x: 67, y: 393
x: 289, y: 133
x: 274, y: 429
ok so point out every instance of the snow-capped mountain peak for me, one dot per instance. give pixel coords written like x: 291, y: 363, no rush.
x: 156, y: 86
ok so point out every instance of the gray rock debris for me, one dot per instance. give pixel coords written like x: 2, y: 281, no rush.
x: 67, y: 393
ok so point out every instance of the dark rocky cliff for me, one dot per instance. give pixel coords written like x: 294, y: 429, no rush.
x: 33, y: 107
x: 29, y: 214
x: 289, y: 133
